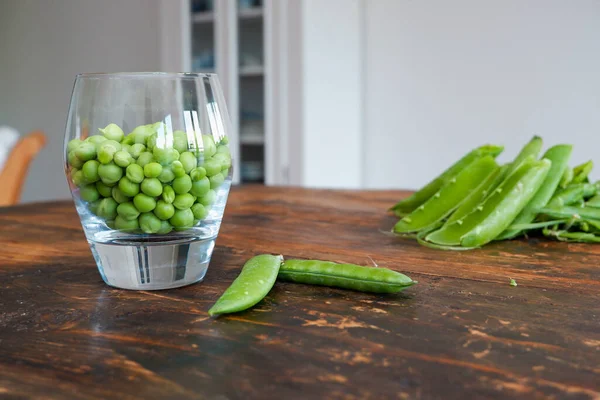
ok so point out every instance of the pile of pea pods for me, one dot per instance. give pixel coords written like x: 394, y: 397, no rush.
x: 136, y: 183
x: 477, y: 201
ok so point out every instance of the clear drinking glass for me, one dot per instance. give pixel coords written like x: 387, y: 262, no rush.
x: 148, y: 164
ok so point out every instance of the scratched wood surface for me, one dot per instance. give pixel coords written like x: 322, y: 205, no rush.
x: 461, y: 333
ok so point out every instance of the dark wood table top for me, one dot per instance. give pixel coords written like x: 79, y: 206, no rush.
x: 463, y: 332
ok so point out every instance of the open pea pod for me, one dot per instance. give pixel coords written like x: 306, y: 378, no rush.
x: 448, y: 197
x: 496, y: 212
x: 411, y: 203
x: 581, y: 172
x: 573, y: 194
x: 559, y: 156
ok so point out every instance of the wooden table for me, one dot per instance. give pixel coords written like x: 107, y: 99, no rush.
x: 462, y: 333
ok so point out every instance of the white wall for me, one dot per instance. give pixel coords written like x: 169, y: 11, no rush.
x: 44, y: 44
x: 444, y: 76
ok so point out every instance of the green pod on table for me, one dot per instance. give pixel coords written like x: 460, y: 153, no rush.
x: 572, y: 212
x: 411, y: 203
x: 559, y: 156
x: 444, y: 201
x: 478, y: 195
x: 581, y: 172
x: 497, y: 211
x: 251, y: 286
x: 346, y: 276
x: 573, y: 194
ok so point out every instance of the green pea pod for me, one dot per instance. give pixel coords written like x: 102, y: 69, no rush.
x: 346, y: 276
x: 411, y: 203
x: 572, y: 212
x: 578, y: 237
x: 593, y: 202
x: 251, y: 286
x: 531, y: 149
x: 581, y: 172
x: 566, y: 178
x: 497, y: 211
x: 559, y: 156
x: 478, y: 195
x: 448, y: 197
x: 573, y: 194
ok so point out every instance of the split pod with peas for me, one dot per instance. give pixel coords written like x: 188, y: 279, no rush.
x: 259, y: 274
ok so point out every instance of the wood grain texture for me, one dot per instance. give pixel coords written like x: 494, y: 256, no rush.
x: 462, y: 332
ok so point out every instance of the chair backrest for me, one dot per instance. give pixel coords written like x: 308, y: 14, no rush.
x: 14, y: 172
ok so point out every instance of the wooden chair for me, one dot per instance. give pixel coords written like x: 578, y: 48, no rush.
x: 12, y: 176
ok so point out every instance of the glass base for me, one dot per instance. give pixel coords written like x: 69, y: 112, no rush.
x: 153, y: 265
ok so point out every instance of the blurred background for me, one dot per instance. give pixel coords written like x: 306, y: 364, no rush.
x: 322, y: 93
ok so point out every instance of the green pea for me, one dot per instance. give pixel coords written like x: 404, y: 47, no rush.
x: 168, y: 194
x: 104, y: 190
x: 128, y: 211
x: 166, y: 175
x: 93, y: 206
x: 73, y: 144
x: 152, y: 170
x: 89, y: 193
x: 223, y: 149
x: 201, y: 187
x: 141, y: 133
x: 125, y: 147
x: 151, y: 187
x: 86, y: 151
x: 136, y: 149
x: 119, y: 196
x: 78, y: 178
x: 251, y: 286
x: 197, y: 173
x: 135, y: 173
x: 144, y: 203
x: 165, y: 227
x: 122, y: 158
x: 110, y: 173
x: 73, y: 160
x: 209, y: 146
x: 182, y: 184
x: 188, y: 161
x: 200, y: 212
x: 178, y: 169
x: 124, y: 224
x: 208, y: 199
x: 95, y: 140
x: 212, y: 167
x: 164, y: 210
x: 216, y: 181
x: 346, y: 276
x: 183, y: 201
x: 165, y: 156
x: 180, y: 141
x: 113, y: 132
x: 107, y: 208
x: 107, y: 150
x: 145, y: 158
x: 182, y: 218
x: 223, y: 159
x: 128, y: 140
x: 149, y: 223
x: 151, y: 141
x: 128, y: 187
x: 90, y: 170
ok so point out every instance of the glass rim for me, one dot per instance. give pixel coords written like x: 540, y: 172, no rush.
x: 108, y: 75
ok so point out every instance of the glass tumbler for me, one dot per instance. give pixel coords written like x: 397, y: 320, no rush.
x: 148, y: 163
